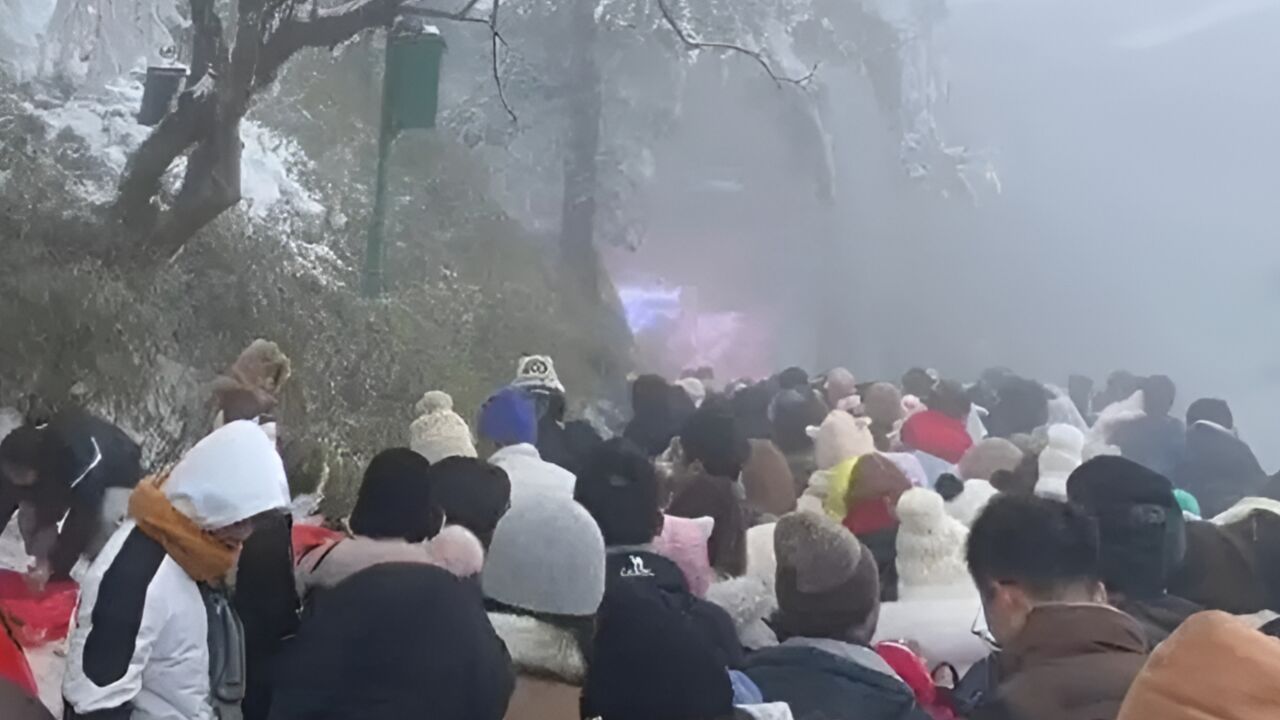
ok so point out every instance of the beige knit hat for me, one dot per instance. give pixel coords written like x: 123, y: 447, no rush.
x: 439, y: 432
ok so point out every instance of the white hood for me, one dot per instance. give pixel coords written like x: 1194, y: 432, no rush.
x: 231, y: 475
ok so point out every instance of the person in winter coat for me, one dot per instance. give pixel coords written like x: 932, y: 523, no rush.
x: 543, y: 582
x: 940, y: 430
x: 828, y: 603
x: 153, y: 638
x: 509, y: 423
x: 1020, y: 406
x: 251, y: 387
x: 713, y: 452
x: 875, y: 484
x: 882, y: 403
x: 839, y: 441
x: 1143, y: 536
x: 1215, y: 667
x: 1216, y: 466
x: 439, y: 432
x: 1154, y: 440
x: 791, y: 414
x: 395, y: 520
x: 620, y: 489
x: 68, y: 480
x: 767, y: 481
x: 1233, y: 563
x: 396, y: 641
x: 560, y: 442
x: 645, y: 591
x: 1065, y: 653
x: 472, y: 493
x: 937, y: 600
x: 654, y: 422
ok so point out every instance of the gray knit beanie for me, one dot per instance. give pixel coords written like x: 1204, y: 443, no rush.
x: 547, y: 556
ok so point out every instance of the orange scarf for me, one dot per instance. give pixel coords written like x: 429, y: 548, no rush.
x: 204, y: 557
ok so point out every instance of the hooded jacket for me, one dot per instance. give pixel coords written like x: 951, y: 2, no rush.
x: 1218, y: 468
x: 400, y: 640
x: 830, y: 680
x: 139, y: 649
x: 1214, y: 668
x: 1070, y: 662
x: 529, y: 473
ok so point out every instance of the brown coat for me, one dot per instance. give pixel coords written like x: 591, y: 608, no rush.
x: 539, y: 699
x: 1215, y: 667
x: 767, y: 480
x: 1070, y: 662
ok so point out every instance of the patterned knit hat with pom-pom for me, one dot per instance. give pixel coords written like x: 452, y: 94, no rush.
x: 439, y: 432
x: 931, y: 546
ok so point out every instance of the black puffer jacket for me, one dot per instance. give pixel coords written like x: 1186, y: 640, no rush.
x: 395, y: 641
x: 77, y: 457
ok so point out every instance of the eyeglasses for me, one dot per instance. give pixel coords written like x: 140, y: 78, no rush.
x: 981, y: 631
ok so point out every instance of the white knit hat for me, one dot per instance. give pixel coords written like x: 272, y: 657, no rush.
x: 841, y: 437
x: 537, y: 372
x: 931, y: 546
x: 1058, y: 460
x: 547, y: 556
x: 969, y: 504
x: 439, y: 432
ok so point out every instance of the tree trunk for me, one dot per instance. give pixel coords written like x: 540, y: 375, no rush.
x: 583, y: 109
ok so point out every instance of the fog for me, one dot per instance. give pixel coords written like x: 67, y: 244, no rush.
x: 1135, y: 225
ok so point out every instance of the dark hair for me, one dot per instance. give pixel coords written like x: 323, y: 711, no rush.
x: 1046, y: 546
x: 949, y: 398
x: 793, y: 378
x: 471, y: 493
x: 619, y: 487
x: 394, y: 500
x: 651, y: 397
x: 793, y: 411
x: 1158, y: 394
x: 919, y: 382
x: 42, y: 449
x: 1211, y: 409
x: 711, y: 436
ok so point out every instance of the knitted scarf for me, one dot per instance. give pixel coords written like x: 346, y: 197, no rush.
x: 200, y: 554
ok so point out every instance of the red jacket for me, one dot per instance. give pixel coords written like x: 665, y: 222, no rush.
x: 939, y: 435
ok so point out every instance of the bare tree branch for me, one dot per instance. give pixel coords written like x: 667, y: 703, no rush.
x: 494, y: 39
x: 693, y: 43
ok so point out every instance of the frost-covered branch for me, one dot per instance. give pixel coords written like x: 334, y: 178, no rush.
x: 692, y: 42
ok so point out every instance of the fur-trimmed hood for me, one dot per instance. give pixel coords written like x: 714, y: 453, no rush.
x: 455, y: 549
x: 540, y: 649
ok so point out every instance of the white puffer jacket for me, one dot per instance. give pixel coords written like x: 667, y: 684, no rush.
x: 141, y: 633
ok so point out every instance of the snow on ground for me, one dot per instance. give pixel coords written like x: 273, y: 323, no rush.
x: 105, y: 122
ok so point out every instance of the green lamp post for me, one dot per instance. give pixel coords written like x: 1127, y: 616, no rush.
x: 410, y: 98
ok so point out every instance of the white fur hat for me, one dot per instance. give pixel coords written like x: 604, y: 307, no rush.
x: 841, y: 437
x: 1058, y: 460
x: 930, y: 549
x: 537, y: 372
x: 969, y: 504
x: 439, y: 432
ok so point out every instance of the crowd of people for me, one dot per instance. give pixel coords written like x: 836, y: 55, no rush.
x: 808, y: 547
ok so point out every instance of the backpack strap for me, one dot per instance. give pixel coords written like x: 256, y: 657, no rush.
x: 227, y: 671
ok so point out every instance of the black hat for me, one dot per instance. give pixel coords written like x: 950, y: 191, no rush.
x: 1140, y: 524
x: 394, y: 500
